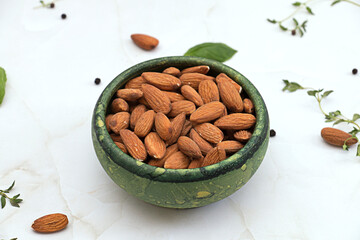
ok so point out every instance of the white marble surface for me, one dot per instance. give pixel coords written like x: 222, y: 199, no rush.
x: 304, y: 189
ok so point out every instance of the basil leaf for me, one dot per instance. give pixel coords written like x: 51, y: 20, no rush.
x: 2, y: 84
x: 216, y: 51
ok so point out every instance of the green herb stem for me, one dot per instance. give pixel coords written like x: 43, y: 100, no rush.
x: 352, y: 2
x: 299, y: 8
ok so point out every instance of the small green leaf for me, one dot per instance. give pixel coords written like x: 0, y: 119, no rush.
x: 271, y: 21
x: 309, y: 10
x: 327, y: 93
x: 14, y: 203
x: 3, y: 202
x: 301, y: 32
x: 282, y: 27
x: 354, y: 131
x: 8, y: 190
x: 303, y: 25
x: 335, y: 2
x: 345, y: 147
x: 16, y: 196
x: 358, y: 150
x: 216, y: 51
x: 356, y: 116
x: 291, y: 86
x: 2, y: 83
x: 296, y: 4
x: 338, y: 121
x: 296, y: 22
x: 312, y: 92
x: 18, y: 200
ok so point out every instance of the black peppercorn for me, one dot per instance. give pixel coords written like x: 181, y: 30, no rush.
x: 97, y: 81
x: 293, y: 32
x: 272, y: 133
x: 52, y: 5
x: 354, y: 71
x: 63, y: 16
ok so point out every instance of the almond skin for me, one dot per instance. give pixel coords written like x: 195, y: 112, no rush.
x: 133, y: 144
x: 243, y: 136
x: 107, y: 122
x: 337, y: 137
x: 184, y: 106
x: 129, y: 94
x: 169, y: 151
x: 230, y: 146
x: 210, y: 132
x: 172, y: 71
x: 163, y: 126
x: 194, y: 79
x: 209, y: 91
x: 157, y: 100
x: 116, y: 138
x: 189, y: 147
x: 186, y: 128
x: 236, y: 121
x: 197, y: 69
x: 162, y: 81
x: 121, y: 146
x: 155, y: 146
x: 119, y: 121
x: 144, y: 41
x: 50, y: 223
x: 176, y: 128
x: 119, y: 105
x: 192, y: 95
x: 196, y: 163
x: 223, y: 76
x: 145, y: 123
x: 248, y: 106
x: 174, y: 97
x: 215, y: 155
x: 208, y: 112
x: 204, y: 146
x: 230, y: 96
x: 177, y: 160
x: 136, y: 114
x: 135, y: 83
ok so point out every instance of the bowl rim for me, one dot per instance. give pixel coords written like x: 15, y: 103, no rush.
x: 235, y: 161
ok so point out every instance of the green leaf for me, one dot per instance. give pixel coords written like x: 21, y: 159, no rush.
x: 296, y: 22
x: 8, y: 190
x: 2, y: 84
x: 14, y: 203
x: 3, y: 202
x: 291, y: 86
x: 339, y: 121
x: 19, y: 200
x: 356, y: 116
x: 16, y: 196
x: 216, y: 51
x: 271, y: 21
x: 345, y: 147
x: 303, y: 25
x: 327, y: 93
x: 312, y: 92
x: 301, y: 32
x: 309, y: 10
x: 296, y: 4
x: 358, y: 150
x: 282, y: 27
x: 335, y: 2
x: 354, y: 131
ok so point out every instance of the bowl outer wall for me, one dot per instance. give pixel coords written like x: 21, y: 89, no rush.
x: 181, y: 188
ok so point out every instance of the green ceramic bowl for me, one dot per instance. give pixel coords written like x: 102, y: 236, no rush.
x: 180, y: 188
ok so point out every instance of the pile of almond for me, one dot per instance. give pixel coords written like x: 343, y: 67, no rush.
x: 181, y: 119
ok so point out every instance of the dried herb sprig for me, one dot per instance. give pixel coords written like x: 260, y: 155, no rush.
x: 14, y: 201
x: 335, y: 117
x: 46, y: 5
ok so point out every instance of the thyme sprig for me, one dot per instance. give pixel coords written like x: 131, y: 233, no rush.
x: 14, y: 201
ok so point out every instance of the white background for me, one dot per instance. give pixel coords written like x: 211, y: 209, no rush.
x: 305, y: 189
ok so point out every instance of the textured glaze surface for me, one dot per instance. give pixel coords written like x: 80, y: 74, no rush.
x: 185, y: 188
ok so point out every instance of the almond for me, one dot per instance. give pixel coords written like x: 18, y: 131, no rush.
x: 196, y: 163
x: 119, y: 121
x: 210, y: 132
x: 208, y: 112
x: 223, y: 76
x: 163, y: 126
x: 50, y: 223
x: 107, y: 122
x: 119, y: 105
x: 172, y: 71
x: 129, y: 94
x: 243, y: 136
x: 215, y: 155
x: 177, y: 160
x: 121, y: 146
x: 133, y: 144
x: 176, y: 128
x: 194, y: 79
x: 184, y: 106
x: 197, y: 69
x: 230, y: 96
x: 191, y: 94
x: 116, y: 138
x: 136, y: 114
x: 204, y: 146
x: 236, y: 121
x: 248, y: 106
x: 154, y: 145
x: 169, y: 151
x: 186, y: 128
x: 144, y: 41
x: 189, y: 147
x: 156, y: 99
x: 337, y: 137
x: 135, y: 83
x: 174, y: 97
x: 162, y: 81
x: 143, y: 101
x: 209, y: 91
x: 230, y: 146
x: 145, y: 123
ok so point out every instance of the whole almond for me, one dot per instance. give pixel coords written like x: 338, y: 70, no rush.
x: 162, y: 81
x: 189, y: 147
x: 144, y: 41
x: 192, y: 95
x: 196, y: 163
x: 230, y: 96
x: 157, y: 100
x: 208, y: 112
x: 172, y: 71
x: 163, y: 126
x: 116, y: 138
x: 107, y: 122
x: 119, y: 105
x: 209, y: 132
x: 230, y: 146
x: 176, y: 128
x: 50, y: 223
x: 136, y: 114
x: 174, y: 97
x: 248, y: 106
x: 143, y: 101
x: 209, y: 91
x: 121, y: 146
x: 133, y: 144
x: 204, y: 146
x: 145, y: 123
x: 129, y: 94
x: 243, y: 135
x: 194, y: 79
x: 197, y: 69
x: 177, y: 160
x: 154, y: 145
x: 337, y: 137
x: 186, y: 128
x: 223, y: 76
x: 236, y: 121
x: 135, y: 83
x: 169, y: 151
x: 119, y: 121
x: 184, y: 106
x: 215, y: 155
